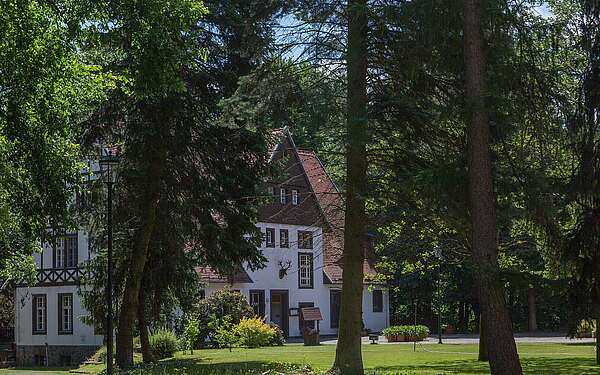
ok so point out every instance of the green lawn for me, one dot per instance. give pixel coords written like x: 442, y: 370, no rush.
x: 551, y: 359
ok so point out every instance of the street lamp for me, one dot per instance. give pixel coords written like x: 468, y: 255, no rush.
x: 107, y: 162
x: 438, y: 253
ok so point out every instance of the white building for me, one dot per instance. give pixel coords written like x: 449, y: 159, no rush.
x: 303, y: 242
x: 49, y: 328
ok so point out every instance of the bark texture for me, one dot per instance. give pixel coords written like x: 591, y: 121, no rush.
x: 597, y: 341
x: 531, y: 310
x: 155, y: 155
x: 147, y: 355
x: 483, y: 356
x: 348, y: 356
x: 497, y: 326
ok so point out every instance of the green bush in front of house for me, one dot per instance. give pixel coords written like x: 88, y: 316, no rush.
x: 254, y: 332
x: 215, y: 308
x: 406, y: 333
x: 163, y: 343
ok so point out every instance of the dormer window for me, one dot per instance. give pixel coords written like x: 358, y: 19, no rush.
x: 282, y: 196
x: 270, y: 238
x: 295, y: 197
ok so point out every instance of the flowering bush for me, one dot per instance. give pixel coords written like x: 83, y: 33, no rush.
x: 254, y: 332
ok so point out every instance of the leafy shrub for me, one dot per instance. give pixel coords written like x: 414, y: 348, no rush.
x: 191, y: 334
x: 406, y: 333
x: 218, y: 305
x: 585, y: 328
x: 254, y: 332
x: 163, y: 343
x: 278, y: 337
x: 225, y: 334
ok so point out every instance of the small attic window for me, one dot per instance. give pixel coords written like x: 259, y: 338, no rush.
x: 282, y: 196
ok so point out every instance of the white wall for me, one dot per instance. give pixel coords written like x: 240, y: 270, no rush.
x: 45, y: 257
x: 83, y: 334
x: 268, y: 278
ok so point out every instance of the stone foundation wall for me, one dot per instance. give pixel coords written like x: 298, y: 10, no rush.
x: 57, y: 356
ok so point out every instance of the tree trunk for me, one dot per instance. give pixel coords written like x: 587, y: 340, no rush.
x: 483, y: 355
x: 597, y: 341
x: 497, y: 326
x: 532, y: 311
x: 155, y: 158
x: 147, y: 355
x: 348, y: 356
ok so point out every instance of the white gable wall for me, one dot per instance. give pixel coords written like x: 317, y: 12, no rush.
x: 267, y: 279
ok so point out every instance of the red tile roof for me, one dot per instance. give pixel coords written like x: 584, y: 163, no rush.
x: 330, y: 203
x: 207, y: 274
x: 332, y: 206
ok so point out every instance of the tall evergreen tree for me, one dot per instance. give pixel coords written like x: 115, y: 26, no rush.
x: 501, y: 347
x: 348, y: 354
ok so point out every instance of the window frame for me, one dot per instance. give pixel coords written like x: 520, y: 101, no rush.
x: 334, y: 321
x: 270, y: 231
x: 61, y: 259
x: 302, y: 242
x: 34, y: 314
x: 284, y: 244
x: 261, y: 307
x: 310, y: 268
x: 295, y: 199
x: 61, y: 312
x: 282, y: 196
x: 379, y: 307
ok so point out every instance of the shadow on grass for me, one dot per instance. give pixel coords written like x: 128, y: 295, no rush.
x: 198, y: 367
x: 545, y: 366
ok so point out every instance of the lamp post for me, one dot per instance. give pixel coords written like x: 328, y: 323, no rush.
x: 107, y: 162
x: 438, y: 252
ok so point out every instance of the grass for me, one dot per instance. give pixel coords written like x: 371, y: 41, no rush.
x: 545, y: 359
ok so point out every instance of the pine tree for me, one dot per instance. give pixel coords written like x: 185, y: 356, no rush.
x: 500, y: 344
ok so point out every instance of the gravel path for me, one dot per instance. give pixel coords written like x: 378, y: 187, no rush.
x: 553, y: 337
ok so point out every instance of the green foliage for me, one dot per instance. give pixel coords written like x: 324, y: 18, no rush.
x: 163, y: 343
x: 225, y: 334
x: 254, y: 332
x: 219, y: 305
x: 407, y: 332
x: 278, y: 337
x: 586, y: 328
x: 191, y: 333
x: 45, y: 92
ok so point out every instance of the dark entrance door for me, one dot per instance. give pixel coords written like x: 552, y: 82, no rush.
x: 279, y: 309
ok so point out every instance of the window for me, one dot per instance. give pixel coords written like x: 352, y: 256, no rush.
x: 305, y: 240
x: 284, y: 238
x: 257, y: 301
x: 305, y: 271
x: 202, y: 294
x: 377, y: 300
x: 270, y: 238
x: 65, y: 252
x: 65, y: 314
x: 335, y: 301
x: 295, y: 197
x: 39, y: 314
x: 282, y: 196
